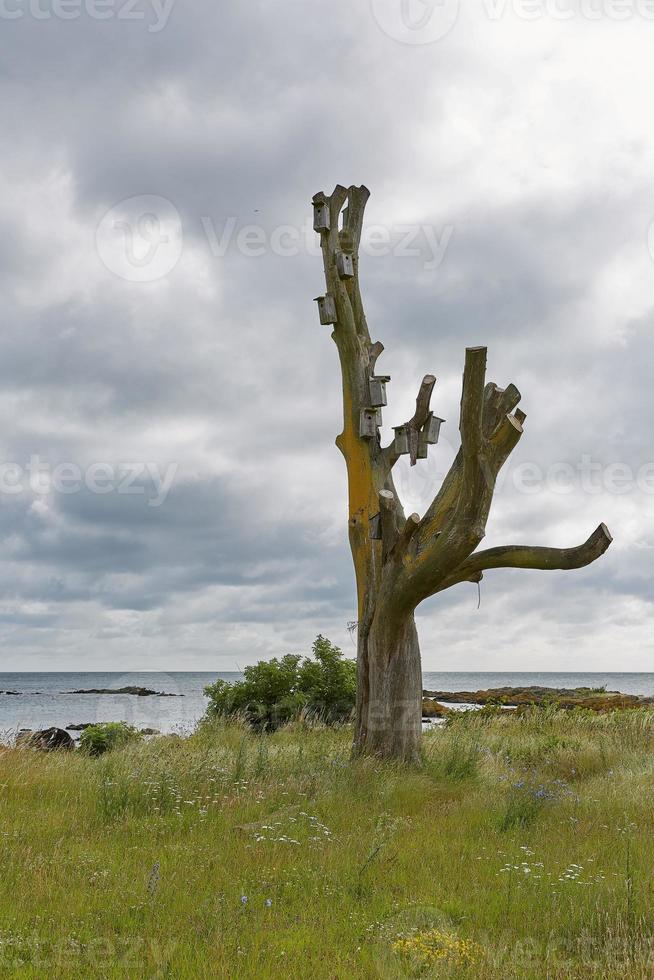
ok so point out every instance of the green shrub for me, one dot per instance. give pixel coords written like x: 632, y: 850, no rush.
x: 101, y: 738
x: 279, y: 690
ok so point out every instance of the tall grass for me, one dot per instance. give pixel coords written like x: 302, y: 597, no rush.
x: 522, y: 849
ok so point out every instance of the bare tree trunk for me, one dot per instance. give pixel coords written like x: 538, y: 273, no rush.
x: 400, y: 561
x: 390, y: 716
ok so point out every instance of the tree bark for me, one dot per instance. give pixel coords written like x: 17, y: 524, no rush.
x: 399, y: 562
x: 389, y: 717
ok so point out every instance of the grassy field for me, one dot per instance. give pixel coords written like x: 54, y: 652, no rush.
x: 523, y: 848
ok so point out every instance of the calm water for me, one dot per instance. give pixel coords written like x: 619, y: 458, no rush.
x: 42, y: 701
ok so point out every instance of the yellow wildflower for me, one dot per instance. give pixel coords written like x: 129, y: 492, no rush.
x: 425, y: 949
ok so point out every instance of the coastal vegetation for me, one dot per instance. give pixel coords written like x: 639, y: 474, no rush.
x: 591, y: 699
x: 101, y: 738
x: 521, y: 848
x: 276, y: 691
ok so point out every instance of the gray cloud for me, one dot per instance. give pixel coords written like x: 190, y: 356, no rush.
x: 507, y: 133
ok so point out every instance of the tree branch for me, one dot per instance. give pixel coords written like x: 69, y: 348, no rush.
x: 388, y: 508
x: 477, y: 478
x: 410, y: 527
x: 346, y: 327
x: 352, y: 341
x: 472, y: 402
x: 420, y: 416
x: 376, y: 351
x: 422, y: 402
x: 337, y: 199
x: 357, y: 198
x: 522, y: 556
x: 455, y: 522
x: 415, y: 423
x: 505, y: 439
x: 498, y: 402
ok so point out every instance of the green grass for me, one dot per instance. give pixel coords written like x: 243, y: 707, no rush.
x: 529, y: 838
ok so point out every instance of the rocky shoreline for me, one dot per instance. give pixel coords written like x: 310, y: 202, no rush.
x: 435, y: 703
x: 139, y: 692
x: 51, y: 739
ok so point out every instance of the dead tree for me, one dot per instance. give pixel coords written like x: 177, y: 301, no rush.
x: 400, y: 561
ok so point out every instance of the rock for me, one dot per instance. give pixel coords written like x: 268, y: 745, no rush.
x: 47, y: 740
x: 432, y: 709
x: 139, y: 692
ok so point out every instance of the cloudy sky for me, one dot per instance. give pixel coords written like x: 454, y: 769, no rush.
x: 170, y: 494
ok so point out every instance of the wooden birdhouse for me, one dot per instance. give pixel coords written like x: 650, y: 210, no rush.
x: 375, y: 527
x: 377, y: 387
x: 320, y: 214
x: 428, y: 435
x: 401, y: 441
x: 345, y: 265
x: 431, y: 429
x: 326, y: 308
x: 368, y: 423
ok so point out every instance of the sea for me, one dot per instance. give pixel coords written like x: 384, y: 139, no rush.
x: 43, y: 700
